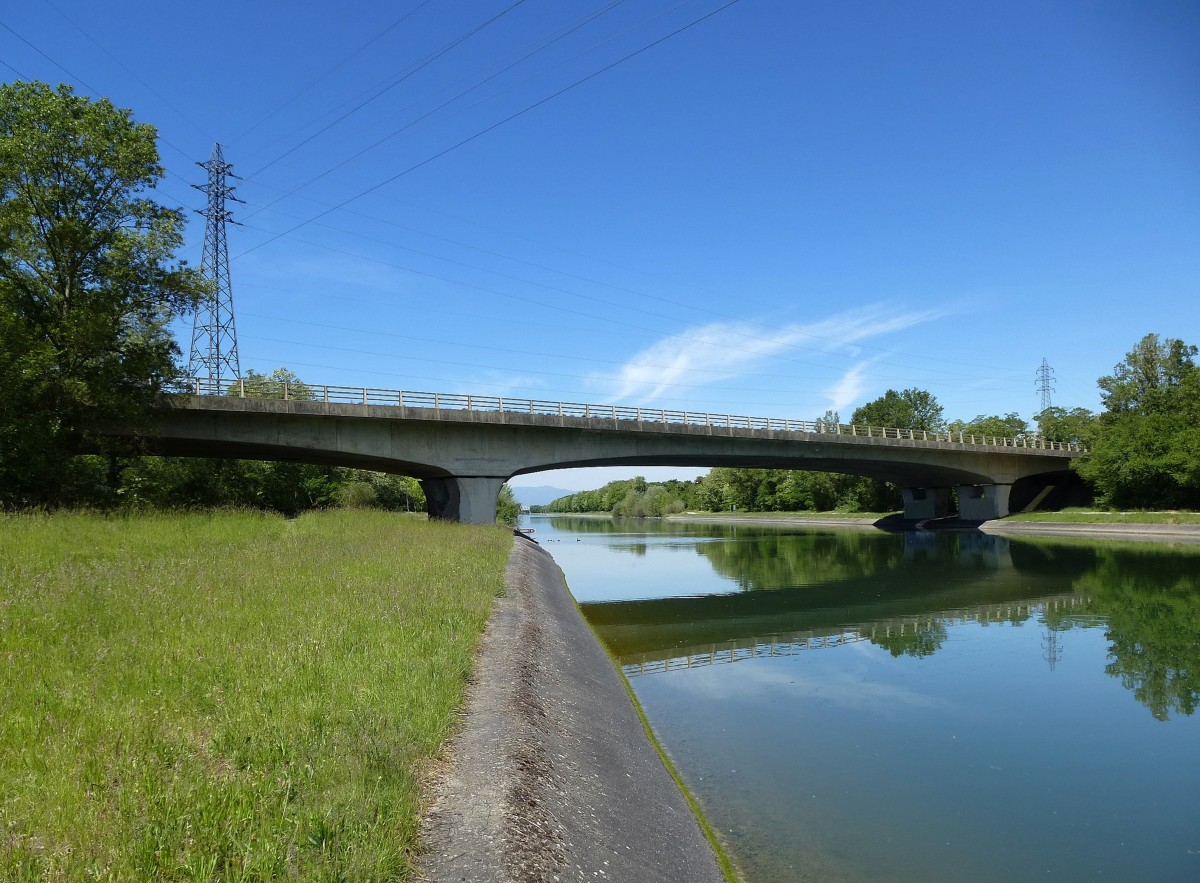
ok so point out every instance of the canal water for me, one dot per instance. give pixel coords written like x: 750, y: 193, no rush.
x: 852, y: 705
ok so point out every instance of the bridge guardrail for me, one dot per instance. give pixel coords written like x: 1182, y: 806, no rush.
x: 452, y: 401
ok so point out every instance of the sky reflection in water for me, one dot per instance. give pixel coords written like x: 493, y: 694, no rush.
x: 854, y: 705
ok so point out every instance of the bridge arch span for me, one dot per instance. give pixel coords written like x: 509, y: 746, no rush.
x: 462, y: 457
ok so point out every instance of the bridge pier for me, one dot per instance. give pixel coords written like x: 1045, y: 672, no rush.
x: 983, y: 502
x: 470, y: 499
x: 925, y: 502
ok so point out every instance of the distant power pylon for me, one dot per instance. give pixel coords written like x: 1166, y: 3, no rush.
x: 214, y: 334
x: 1045, y: 383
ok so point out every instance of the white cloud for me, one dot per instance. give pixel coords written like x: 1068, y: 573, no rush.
x: 720, y: 350
x: 847, y: 686
x: 849, y: 387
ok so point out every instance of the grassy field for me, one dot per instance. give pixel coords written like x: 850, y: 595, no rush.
x: 1100, y: 516
x: 229, y: 696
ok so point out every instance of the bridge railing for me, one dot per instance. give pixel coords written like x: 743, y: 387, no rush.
x: 453, y: 401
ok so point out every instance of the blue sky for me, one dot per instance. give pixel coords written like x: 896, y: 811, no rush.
x: 772, y: 208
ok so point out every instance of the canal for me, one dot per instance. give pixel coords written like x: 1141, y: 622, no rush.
x: 851, y: 705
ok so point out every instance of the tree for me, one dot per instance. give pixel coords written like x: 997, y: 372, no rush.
x: 88, y: 281
x: 1147, y: 450
x: 1009, y: 426
x: 256, y: 385
x: 911, y: 409
x: 828, y: 422
x: 1074, y: 426
x: 508, y: 510
x: 1149, y: 378
x: 1150, y: 601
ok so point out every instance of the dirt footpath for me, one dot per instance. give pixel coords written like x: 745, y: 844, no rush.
x: 552, y: 775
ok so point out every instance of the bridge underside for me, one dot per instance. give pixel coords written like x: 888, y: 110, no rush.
x: 463, y: 458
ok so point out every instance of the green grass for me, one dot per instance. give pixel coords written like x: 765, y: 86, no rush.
x: 229, y: 696
x: 1100, y: 516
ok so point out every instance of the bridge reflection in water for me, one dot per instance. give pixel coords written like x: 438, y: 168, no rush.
x: 889, y: 631
x: 895, y: 600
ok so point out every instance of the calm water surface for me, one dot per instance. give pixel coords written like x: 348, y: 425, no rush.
x: 852, y: 705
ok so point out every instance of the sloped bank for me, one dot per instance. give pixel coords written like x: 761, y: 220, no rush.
x: 552, y: 775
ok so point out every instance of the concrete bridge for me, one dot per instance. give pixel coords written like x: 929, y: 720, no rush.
x: 463, y: 448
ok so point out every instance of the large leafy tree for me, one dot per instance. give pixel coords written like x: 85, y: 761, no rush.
x: 1009, y: 426
x: 1150, y: 378
x: 88, y: 280
x: 1073, y: 426
x: 1147, y: 452
x: 909, y: 409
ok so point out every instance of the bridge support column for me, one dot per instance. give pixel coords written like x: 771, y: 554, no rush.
x: 470, y: 499
x: 983, y: 502
x: 925, y: 502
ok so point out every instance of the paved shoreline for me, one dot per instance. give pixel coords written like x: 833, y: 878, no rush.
x: 1143, y: 532
x: 552, y: 776
x: 1148, y: 533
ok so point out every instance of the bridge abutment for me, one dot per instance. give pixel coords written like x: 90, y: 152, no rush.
x: 470, y: 499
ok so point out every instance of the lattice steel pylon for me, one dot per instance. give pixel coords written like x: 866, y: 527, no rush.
x: 1045, y: 383
x: 214, y: 333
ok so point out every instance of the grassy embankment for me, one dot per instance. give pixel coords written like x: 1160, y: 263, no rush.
x: 1101, y: 516
x: 229, y: 696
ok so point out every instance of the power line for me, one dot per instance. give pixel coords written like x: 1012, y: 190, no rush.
x: 96, y: 91
x: 329, y: 71
x: 518, y: 352
x: 20, y: 76
x: 603, y: 318
x: 396, y: 132
x: 614, y: 321
x: 61, y: 67
x: 124, y: 66
x: 496, y: 125
x: 394, y: 83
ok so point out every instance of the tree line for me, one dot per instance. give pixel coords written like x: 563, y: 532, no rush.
x: 1143, y: 449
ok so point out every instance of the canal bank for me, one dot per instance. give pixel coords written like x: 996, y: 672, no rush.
x: 552, y: 775
x: 1142, y: 532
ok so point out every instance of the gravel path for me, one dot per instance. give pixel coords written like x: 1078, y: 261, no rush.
x: 552, y: 776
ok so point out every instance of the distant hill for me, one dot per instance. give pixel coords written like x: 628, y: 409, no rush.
x: 538, y: 496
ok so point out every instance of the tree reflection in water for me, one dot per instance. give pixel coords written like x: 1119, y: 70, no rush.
x: 1145, y: 596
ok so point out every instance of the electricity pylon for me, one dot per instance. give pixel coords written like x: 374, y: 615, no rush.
x: 214, y: 334
x: 1045, y: 383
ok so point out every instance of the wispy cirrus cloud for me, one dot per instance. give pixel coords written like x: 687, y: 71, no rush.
x: 849, y: 387
x: 721, y: 350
